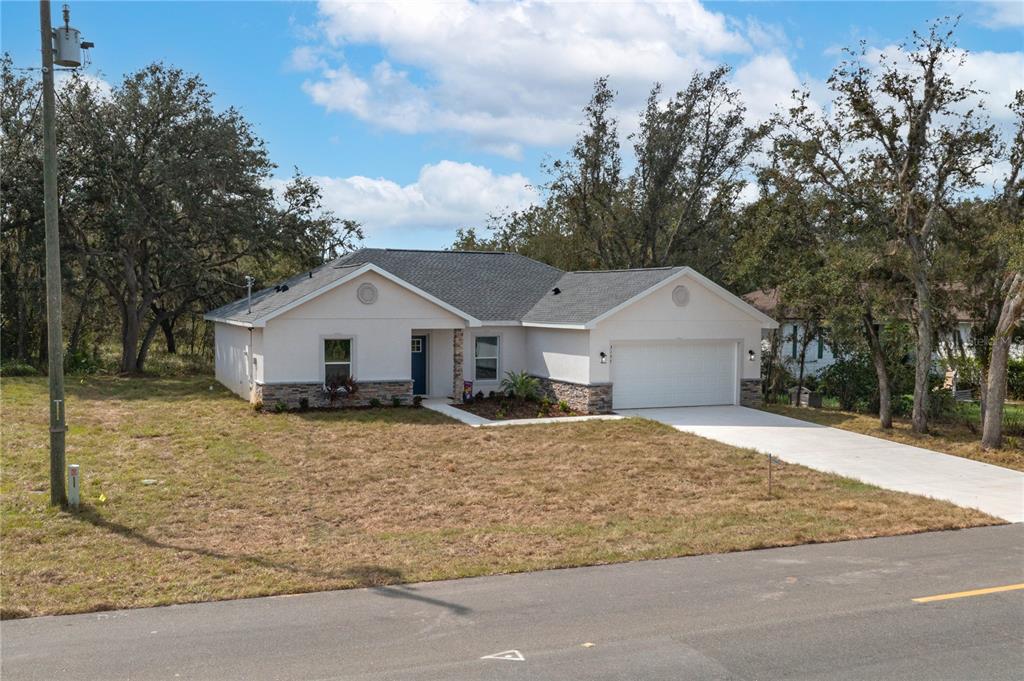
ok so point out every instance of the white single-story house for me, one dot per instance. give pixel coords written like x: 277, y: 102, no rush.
x: 403, y: 322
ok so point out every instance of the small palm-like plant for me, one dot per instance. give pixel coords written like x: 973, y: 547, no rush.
x: 520, y: 385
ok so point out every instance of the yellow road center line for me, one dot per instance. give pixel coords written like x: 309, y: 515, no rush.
x: 967, y: 594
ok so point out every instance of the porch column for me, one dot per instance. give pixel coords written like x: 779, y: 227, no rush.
x: 457, y: 348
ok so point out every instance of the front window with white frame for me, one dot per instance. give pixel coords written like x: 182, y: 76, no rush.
x: 337, y: 360
x: 485, y: 358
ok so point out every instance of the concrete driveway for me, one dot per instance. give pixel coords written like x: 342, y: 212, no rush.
x: 995, y: 490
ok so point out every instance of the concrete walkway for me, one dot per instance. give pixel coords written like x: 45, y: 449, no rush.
x: 444, y: 406
x: 995, y: 490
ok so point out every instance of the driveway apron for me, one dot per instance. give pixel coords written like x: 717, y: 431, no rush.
x: 995, y: 490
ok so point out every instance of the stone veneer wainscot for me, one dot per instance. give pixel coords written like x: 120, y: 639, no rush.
x: 750, y: 393
x: 595, y: 398
x: 290, y: 394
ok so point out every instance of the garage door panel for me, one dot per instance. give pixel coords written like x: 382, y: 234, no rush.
x: 673, y: 374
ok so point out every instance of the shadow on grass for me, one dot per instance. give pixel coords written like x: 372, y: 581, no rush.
x: 380, y: 577
x: 139, y: 388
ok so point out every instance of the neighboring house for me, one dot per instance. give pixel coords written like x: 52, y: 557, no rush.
x: 404, y: 323
x: 791, y: 334
x: 819, y: 353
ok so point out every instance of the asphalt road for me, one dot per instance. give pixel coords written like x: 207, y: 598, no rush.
x: 830, y: 611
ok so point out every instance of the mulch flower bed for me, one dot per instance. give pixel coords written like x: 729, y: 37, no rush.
x: 500, y: 409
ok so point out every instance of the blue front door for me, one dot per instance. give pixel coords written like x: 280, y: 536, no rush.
x: 419, y: 365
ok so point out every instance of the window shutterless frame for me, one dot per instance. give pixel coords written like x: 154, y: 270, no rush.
x: 486, y: 353
x: 337, y: 359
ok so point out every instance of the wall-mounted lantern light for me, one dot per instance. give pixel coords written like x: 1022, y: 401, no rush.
x: 750, y: 355
x: 604, y: 358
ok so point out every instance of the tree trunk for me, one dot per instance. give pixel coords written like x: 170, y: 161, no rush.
x: 881, y: 372
x: 75, y: 340
x: 1013, y: 308
x: 925, y: 326
x: 167, y: 326
x: 129, y: 340
x: 804, y: 342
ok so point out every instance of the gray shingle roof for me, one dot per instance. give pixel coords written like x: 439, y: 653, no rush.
x: 585, y: 295
x: 268, y: 300
x: 488, y: 286
x: 485, y: 285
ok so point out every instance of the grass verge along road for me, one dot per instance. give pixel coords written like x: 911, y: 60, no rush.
x: 190, y: 496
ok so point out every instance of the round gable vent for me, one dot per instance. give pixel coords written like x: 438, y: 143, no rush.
x: 680, y: 296
x: 367, y: 293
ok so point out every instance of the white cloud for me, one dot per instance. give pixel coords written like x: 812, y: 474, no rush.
x: 444, y: 196
x: 1002, y: 14
x: 998, y: 74
x: 306, y: 58
x: 509, y: 74
x: 766, y: 83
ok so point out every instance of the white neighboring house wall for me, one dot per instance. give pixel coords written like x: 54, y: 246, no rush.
x: 238, y: 357
x: 815, y: 364
x: 560, y: 354
x: 819, y: 354
x: 707, y: 316
x: 380, y: 332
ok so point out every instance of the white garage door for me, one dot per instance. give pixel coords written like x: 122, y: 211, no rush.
x: 673, y: 374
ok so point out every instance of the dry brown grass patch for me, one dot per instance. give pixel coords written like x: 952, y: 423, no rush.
x: 256, y: 504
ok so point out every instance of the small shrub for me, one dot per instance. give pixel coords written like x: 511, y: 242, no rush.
x: 375, y: 403
x: 257, y: 405
x: 491, y: 395
x: 14, y: 367
x: 850, y: 380
x: 280, y: 407
x: 417, y: 401
x: 479, y: 395
x: 333, y: 390
x: 902, y: 405
x: 564, y: 406
x: 942, y: 405
x: 521, y: 385
x: 81, y: 362
x: 396, y: 401
x: 500, y: 414
x: 1015, y: 379
x: 304, y: 404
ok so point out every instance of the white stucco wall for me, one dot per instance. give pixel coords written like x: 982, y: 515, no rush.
x: 511, y: 353
x: 657, y: 317
x: 563, y: 354
x: 380, y: 333
x: 235, y: 347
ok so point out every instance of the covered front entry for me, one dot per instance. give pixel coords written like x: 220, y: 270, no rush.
x: 419, y: 365
x: 674, y: 374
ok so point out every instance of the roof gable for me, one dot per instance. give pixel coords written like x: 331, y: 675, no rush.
x: 480, y: 287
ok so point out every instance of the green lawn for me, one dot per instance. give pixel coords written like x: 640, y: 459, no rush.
x: 248, y: 504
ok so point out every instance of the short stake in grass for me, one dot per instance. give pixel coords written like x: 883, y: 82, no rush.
x: 73, y: 486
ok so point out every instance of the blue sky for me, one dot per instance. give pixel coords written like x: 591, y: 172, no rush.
x: 420, y: 118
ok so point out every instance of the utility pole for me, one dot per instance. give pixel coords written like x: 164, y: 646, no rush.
x: 55, y: 345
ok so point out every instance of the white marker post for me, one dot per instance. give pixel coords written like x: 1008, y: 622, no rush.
x: 73, y: 484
